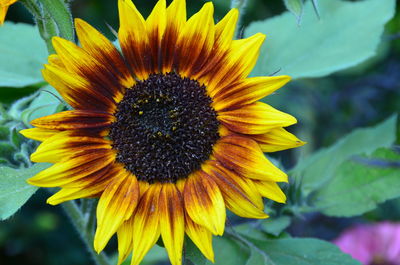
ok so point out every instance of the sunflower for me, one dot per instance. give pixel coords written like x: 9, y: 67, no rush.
x: 4, y: 4
x: 167, y: 133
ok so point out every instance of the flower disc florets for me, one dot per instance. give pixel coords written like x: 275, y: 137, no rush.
x: 165, y: 128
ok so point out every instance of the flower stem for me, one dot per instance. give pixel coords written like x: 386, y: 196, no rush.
x: 45, y: 23
x: 80, y: 223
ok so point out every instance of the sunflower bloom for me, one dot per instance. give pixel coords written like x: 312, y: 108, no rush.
x: 4, y: 4
x: 167, y: 134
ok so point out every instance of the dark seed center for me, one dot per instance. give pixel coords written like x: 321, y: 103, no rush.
x: 165, y: 128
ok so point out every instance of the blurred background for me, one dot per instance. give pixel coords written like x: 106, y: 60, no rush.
x: 326, y: 108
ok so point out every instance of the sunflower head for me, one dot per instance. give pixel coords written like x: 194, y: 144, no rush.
x: 167, y: 133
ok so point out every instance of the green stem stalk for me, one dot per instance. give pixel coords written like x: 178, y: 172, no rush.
x: 80, y: 223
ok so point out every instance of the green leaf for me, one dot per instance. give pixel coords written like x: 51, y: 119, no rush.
x: 318, y: 169
x: 347, y: 34
x: 59, y: 12
x: 256, y: 257
x: 296, y: 7
x: 14, y: 191
x: 302, y: 251
x: 22, y: 54
x: 275, y: 226
x: 360, y: 184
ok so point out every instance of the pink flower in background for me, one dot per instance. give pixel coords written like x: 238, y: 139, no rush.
x: 377, y: 244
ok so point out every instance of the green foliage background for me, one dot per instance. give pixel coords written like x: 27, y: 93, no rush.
x: 344, y: 58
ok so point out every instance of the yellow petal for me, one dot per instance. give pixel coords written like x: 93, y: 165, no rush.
x: 146, y: 228
x: 55, y: 60
x: 256, y: 118
x: 3, y: 12
x: 7, y: 2
x: 172, y: 223
x: 201, y: 237
x: 38, y: 134
x: 115, y: 206
x: 225, y: 29
x: 125, y: 240
x: 244, y: 155
x: 204, y: 202
x: 270, y: 190
x: 277, y: 139
x: 247, y: 91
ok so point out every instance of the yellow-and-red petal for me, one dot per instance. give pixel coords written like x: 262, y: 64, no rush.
x: 247, y: 91
x: 133, y: 39
x: 277, y: 139
x: 240, y: 195
x: 196, y: 42
x: 256, y: 118
x: 100, y: 48
x: 115, y: 206
x: 244, y: 156
x: 74, y: 120
x: 204, y: 202
x: 201, y: 237
x: 172, y: 222
x: 146, y: 227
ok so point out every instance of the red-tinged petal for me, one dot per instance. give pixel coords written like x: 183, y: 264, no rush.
x: 75, y: 119
x: 195, y: 42
x: 237, y: 63
x: 76, y: 90
x: 134, y: 40
x: 172, y: 222
x: 277, y: 139
x: 247, y: 91
x: 66, y: 144
x: 93, y: 187
x: 204, y: 202
x: 115, y: 206
x: 224, y: 31
x: 176, y: 19
x: 155, y: 26
x: 256, y: 118
x: 74, y: 170
x: 201, y: 237
x: 241, y: 197
x: 80, y: 63
x: 100, y: 48
x: 146, y: 227
x: 244, y: 156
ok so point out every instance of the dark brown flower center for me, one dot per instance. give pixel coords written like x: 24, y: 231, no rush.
x: 165, y: 128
